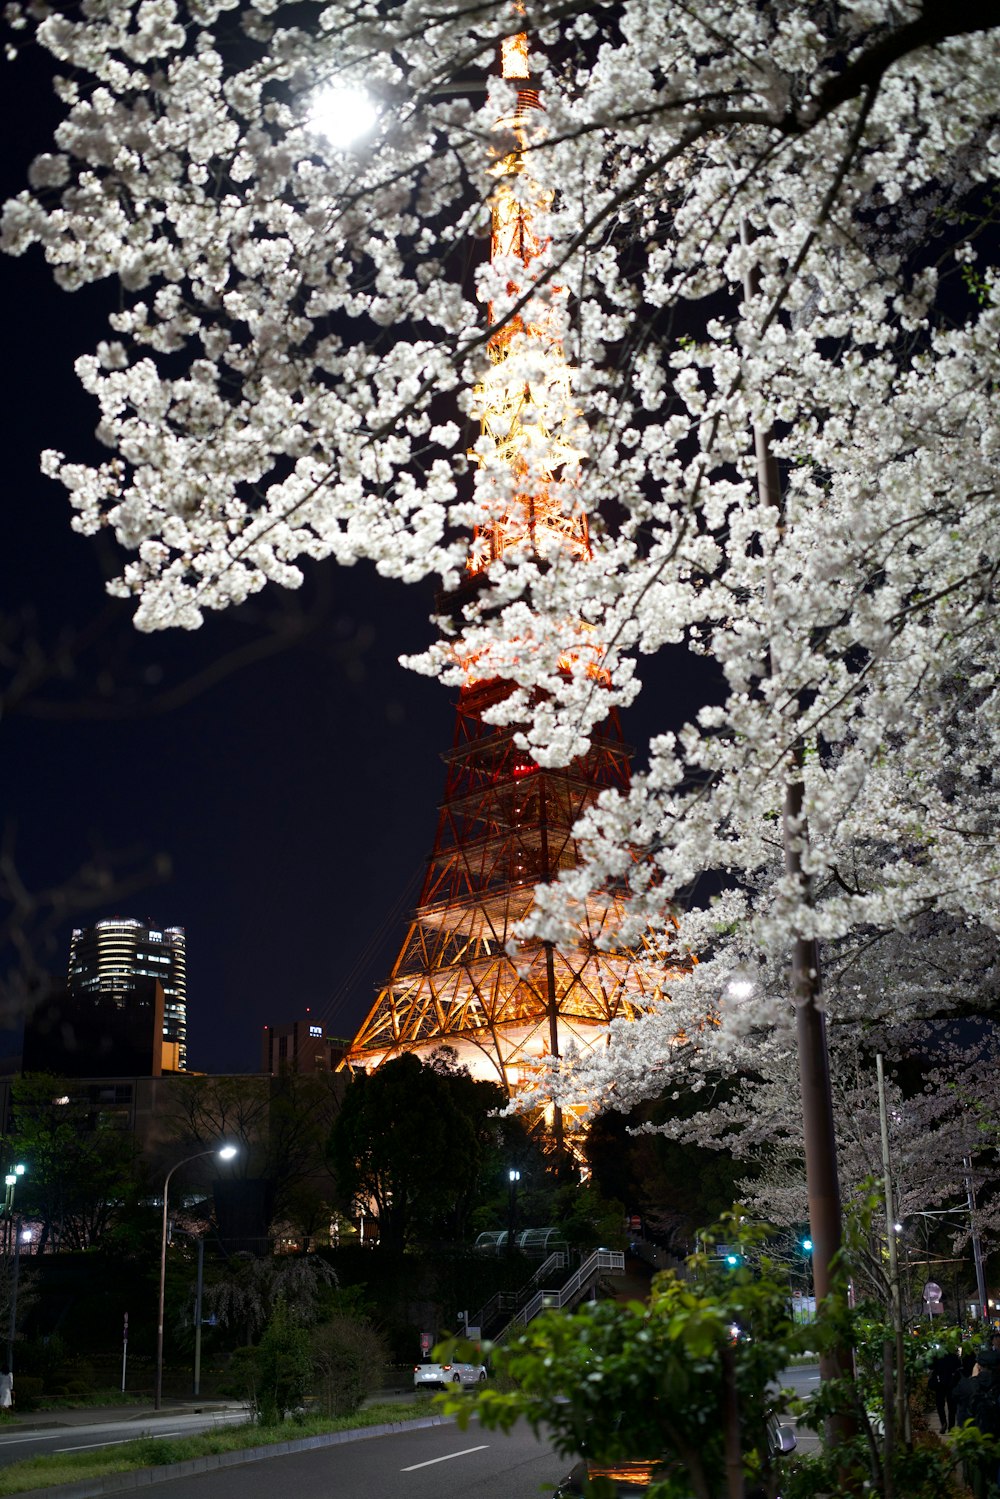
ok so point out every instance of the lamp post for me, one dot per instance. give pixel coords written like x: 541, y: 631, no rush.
x: 199, y: 1286
x: 226, y: 1153
x: 10, y: 1181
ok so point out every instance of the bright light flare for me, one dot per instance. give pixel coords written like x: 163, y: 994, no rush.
x: 342, y: 113
x: 740, y: 989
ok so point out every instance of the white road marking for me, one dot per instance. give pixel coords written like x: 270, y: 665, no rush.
x: 82, y: 1446
x: 447, y: 1458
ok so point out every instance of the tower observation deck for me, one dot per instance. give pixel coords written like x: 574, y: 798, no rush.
x: 463, y: 977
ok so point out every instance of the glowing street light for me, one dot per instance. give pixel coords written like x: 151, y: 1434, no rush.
x: 342, y: 113
x: 226, y: 1153
x: 513, y: 1177
x: 10, y: 1182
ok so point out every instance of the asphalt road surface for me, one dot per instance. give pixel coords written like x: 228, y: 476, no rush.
x: 17, y: 1443
x: 434, y: 1462
x: 427, y: 1463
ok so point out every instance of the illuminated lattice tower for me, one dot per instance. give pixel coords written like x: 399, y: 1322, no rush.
x: 506, y: 824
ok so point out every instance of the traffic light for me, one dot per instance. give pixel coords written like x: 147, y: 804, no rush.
x: 807, y: 1246
x: 733, y: 1259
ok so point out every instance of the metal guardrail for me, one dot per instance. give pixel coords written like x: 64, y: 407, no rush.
x: 606, y: 1261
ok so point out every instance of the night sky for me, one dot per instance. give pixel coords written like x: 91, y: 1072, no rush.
x: 295, y: 797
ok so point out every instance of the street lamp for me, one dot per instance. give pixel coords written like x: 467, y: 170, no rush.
x: 10, y: 1181
x: 226, y: 1153
x: 342, y: 113
x: 513, y: 1178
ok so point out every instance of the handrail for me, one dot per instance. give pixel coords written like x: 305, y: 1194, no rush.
x: 610, y: 1260
x: 502, y: 1301
x: 557, y: 1260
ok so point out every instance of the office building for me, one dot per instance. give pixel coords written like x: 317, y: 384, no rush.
x: 301, y: 1046
x: 101, y: 1033
x: 124, y: 959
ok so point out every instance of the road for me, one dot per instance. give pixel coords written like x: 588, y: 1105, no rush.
x: 16, y: 1443
x: 804, y: 1380
x: 428, y: 1463
x: 434, y: 1462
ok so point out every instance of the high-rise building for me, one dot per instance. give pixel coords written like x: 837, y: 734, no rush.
x: 126, y: 958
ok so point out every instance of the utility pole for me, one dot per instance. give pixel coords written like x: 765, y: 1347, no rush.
x: 819, y: 1139
x: 898, y: 1426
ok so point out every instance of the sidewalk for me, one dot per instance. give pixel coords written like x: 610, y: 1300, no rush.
x: 94, y: 1415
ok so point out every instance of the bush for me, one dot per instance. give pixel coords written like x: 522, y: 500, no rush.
x: 348, y: 1363
x: 44, y: 1358
x: 27, y: 1392
x: 274, y: 1376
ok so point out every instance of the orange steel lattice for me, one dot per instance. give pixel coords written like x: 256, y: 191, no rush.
x: 462, y: 979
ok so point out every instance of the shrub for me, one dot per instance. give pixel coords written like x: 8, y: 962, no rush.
x: 284, y: 1365
x: 274, y: 1376
x: 27, y: 1392
x: 348, y: 1363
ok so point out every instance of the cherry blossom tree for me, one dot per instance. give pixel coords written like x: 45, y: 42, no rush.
x: 769, y: 263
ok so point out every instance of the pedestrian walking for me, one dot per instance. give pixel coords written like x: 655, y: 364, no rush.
x: 6, y: 1389
x: 945, y: 1373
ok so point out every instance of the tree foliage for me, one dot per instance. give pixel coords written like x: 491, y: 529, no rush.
x: 280, y: 1126
x: 658, y: 1382
x: 81, y: 1158
x: 684, y: 1385
x: 414, y: 1139
x: 244, y: 1290
x: 774, y: 225
x: 770, y: 264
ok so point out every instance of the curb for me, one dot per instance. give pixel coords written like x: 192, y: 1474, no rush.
x: 116, y: 1483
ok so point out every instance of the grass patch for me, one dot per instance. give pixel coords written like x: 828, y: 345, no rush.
x: 154, y: 1452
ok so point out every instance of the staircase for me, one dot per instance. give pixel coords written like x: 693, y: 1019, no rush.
x: 508, y: 1301
x: 600, y: 1262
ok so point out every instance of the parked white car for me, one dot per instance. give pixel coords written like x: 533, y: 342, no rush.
x: 426, y: 1376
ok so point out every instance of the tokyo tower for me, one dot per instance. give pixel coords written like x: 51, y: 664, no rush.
x: 462, y: 979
